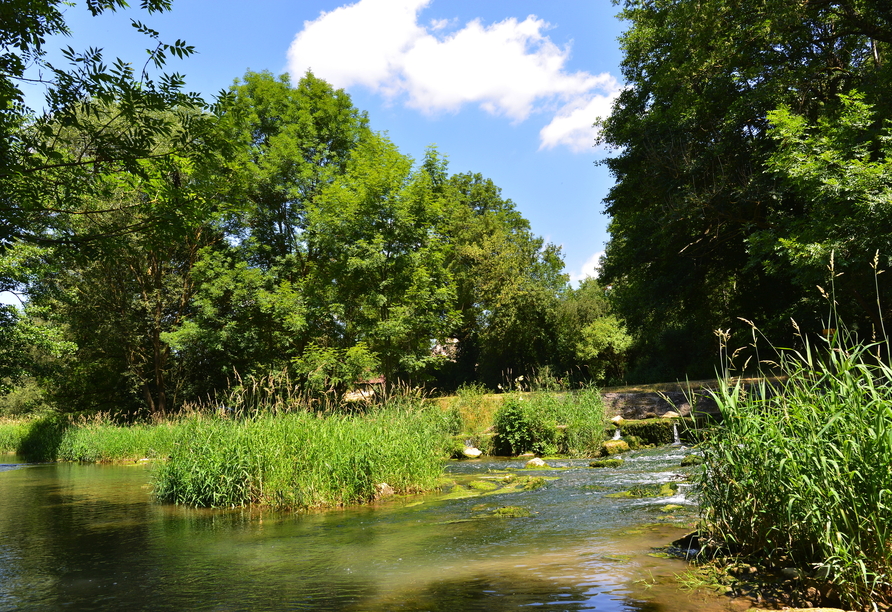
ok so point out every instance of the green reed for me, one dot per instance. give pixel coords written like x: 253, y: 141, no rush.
x: 800, y: 474
x: 94, y: 439
x: 304, y: 459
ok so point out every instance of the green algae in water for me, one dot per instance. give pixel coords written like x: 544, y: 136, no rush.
x: 606, y: 463
x: 483, y: 485
x: 511, y: 512
x: 667, y: 489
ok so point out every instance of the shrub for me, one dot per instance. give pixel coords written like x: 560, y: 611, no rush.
x: 548, y: 423
x: 523, y: 427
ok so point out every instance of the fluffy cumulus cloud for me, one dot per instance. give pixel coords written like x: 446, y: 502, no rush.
x: 510, y: 68
x: 589, y: 268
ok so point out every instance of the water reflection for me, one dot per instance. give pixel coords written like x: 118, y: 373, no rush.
x: 91, y: 538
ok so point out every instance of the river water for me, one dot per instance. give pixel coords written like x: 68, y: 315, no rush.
x: 91, y: 537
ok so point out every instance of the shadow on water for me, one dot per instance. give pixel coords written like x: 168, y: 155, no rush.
x: 43, y: 440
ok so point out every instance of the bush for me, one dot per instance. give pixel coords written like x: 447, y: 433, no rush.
x: 523, y: 427
x: 547, y: 423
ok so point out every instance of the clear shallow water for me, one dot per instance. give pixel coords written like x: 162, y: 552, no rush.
x: 90, y: 537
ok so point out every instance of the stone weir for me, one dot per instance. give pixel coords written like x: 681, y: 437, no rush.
x: 655, y: 404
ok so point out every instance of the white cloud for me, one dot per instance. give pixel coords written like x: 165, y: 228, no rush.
x: 510, y: 68
x: 573, y: 125
x: 589, y: 269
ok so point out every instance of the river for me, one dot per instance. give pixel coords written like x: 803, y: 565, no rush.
x: 91, y: 537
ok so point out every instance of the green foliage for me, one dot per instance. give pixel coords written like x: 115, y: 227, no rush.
x: 27, y: 397
x: 473, y: 408
x: 508, y: 283
x: 799, y: 472
x: 523, y: 427
x: 298, y: 242
x: 547, y: 423
x: 701, y: 234
x: 381, y: 252
x: 328, y: 370
x: 590, y: 337
x: 117, y: 116
x: 12, y: 432
x: 300, y: 460
x: 841, y: 167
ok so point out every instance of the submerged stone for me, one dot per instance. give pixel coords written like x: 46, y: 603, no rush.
x: 606, y: 463
x: 691, y: 460
x: 511, y: 512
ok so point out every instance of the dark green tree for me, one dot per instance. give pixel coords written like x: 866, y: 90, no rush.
x: 117, y: 297
x: 508, y: 285
x: 696, y: 212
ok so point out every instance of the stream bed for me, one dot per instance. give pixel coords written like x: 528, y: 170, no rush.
x: 91, y: 537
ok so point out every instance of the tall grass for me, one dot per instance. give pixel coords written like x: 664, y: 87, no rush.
x: 801, y: 471
x: 95, y: 439
x: 301, y: 459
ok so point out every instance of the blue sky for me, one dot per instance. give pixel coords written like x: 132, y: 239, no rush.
x: 506, y: 88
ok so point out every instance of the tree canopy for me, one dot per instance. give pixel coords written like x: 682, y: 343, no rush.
x: 306, y: 246
x: 750, y: 145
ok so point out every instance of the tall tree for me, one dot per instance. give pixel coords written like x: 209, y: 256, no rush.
x: 378, y: 234
x: 508, y: 284
x: 693, y: 199
x: 286, y: 144
x: 116, y: 297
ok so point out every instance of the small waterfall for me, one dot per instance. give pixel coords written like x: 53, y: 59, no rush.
x: 617, y: 435
x: 676, y: 440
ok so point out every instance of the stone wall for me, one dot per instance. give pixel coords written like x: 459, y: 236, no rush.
x: 651, y: 404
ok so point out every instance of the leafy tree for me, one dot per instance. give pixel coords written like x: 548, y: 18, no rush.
x: 841, y: 167
x: 119, y: 115
x: 592, y: 341
x: 253, y: 312
x: 116, y: 298
x: 381, y: 258
x: 693, y: 207
x: 507, y: 284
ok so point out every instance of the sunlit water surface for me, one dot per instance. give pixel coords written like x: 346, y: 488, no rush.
x: 91, y: 537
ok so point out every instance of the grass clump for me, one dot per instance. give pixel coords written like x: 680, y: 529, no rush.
x: 799, y: 475
x: 549, y: 423
x: 95, y: 439
x: 302, y: 460
x: 12, y: 432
